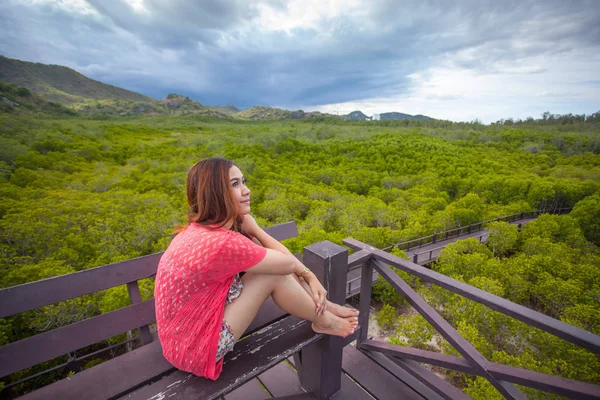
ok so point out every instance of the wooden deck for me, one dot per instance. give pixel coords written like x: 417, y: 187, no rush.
x: 362, y: 378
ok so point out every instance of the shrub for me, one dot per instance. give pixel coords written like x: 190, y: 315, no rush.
x: 386, y: 317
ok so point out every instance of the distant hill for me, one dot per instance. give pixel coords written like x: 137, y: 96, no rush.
x: 20, y: 100
x: 228, y: 109
x: 61, y: 84
x: 173, y: 104
x: 262, y: 112
x: 86, y: 96
x: 397, y: 115
x: 357, y: 116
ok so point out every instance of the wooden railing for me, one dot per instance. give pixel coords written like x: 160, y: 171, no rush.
x: 478, y: 226
x: 433, y: 253
x: 70, y: 339
x: 502, y: 377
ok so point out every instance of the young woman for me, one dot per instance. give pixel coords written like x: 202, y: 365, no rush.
x: 203, y: 306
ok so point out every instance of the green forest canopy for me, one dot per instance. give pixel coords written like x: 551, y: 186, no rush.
x: 82, y: 192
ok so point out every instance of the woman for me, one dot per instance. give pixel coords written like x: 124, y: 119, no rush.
x: 203, y: 306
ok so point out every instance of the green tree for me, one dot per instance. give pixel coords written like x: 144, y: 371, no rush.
x: 587, y: 213
x: 503, y: 237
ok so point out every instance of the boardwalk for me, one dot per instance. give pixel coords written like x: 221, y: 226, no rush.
x: 427, y: 253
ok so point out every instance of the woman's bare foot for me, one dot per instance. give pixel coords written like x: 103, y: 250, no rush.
x: 337, y: 326
x: 340, y: 310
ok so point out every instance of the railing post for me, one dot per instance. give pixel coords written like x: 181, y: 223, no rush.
x: 434, y: 238
x: 135, y: 297
x: 415, y: 258
x: 366, y: 285
x: 321, y: 362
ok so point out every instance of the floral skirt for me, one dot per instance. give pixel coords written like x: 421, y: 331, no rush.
x: 226, y: 338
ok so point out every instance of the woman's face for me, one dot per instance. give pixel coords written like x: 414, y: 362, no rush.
x: 239, y: 191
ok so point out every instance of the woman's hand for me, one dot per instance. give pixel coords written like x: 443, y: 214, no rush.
x: 249, y: 225
x: 318, y: 291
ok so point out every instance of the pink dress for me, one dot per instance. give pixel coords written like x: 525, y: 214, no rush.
x: 192, y: 283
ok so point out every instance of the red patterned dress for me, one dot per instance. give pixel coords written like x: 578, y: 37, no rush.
x: 192, y: 285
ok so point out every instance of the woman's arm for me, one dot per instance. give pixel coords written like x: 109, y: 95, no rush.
x: 311, y: 284
x: 249, y: 225
x: 277, y: 263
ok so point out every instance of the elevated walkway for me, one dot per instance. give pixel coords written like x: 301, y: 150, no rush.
x: 425, y: 250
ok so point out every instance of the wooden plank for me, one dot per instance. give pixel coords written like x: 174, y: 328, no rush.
x: 536, y: 380
x: 374, y: 379
x: 357, y: 259
x: 365, y: 301
x: 110, y: 379
x: 431, y: 380
x: 281, y: 380
x: 133, y: 288
x: 283, y: 231
x: 37, y: 294
x: 351, y: 391
x: 48, y: 345
x: 443, y: 390
x: 252, y: 356
x: 251, y: 390
x: 353, y: 281
x: 303, y: 396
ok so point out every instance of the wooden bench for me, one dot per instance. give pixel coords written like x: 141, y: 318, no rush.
x: 143, y: 373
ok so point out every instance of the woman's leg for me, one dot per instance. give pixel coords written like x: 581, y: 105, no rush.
x: 289, y: 296
x: 334, y: 308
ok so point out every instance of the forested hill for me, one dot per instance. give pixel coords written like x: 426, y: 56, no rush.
x: 20, y: 100
x: 264, y: 113
x: 61, y: 84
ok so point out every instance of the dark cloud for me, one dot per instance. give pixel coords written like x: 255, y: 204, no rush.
x: 215, y: 51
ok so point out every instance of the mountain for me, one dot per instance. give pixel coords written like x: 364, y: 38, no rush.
x: 228, y: 109
x: 89, y: 97
x: 61, y: 84
x: 262, y: 112
x: 20, y: 100
x: 397, y: 115
x: 357, y: 116
x: 174, y: 104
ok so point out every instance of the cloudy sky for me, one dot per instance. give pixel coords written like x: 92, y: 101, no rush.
x: 457, y: 60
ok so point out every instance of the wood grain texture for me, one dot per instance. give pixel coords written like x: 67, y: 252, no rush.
x: 249, y: 358
x: 378, y: 382
x: 48, y: 345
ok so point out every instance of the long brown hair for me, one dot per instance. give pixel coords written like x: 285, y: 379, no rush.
x: 208, y: 194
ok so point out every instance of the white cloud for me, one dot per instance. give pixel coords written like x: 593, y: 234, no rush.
x: 306, y: 14
x: 73, y: 6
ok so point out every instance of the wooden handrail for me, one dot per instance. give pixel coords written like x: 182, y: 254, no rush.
x: 502, y: 377
x: 561, y: 329
x: 521, y: 376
